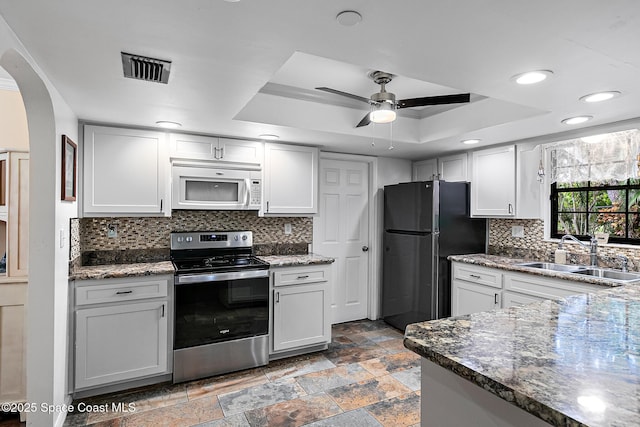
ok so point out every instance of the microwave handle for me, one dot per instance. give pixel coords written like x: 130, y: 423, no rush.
x: 247, y: 193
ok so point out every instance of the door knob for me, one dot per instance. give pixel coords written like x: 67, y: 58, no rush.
x: 365, y: 248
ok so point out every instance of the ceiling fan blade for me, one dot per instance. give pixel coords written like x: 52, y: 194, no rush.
x: 364, y: 122
x: 348, y: 95
x: 434, y: 100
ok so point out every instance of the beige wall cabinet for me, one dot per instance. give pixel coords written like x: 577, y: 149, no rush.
x: 290, y: 179
x: 125, y: 172
x: 122, y: 330
x: 197, y: 147
x: 14, y: 243
x: 300, y: 317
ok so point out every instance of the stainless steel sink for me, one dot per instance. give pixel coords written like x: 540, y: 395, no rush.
x: 553, y: 267
x: 610, y: 274
x: 615, y: 275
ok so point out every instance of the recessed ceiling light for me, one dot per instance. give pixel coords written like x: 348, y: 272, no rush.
x: 576, y: 120
x: 168, y: 125
x: 268, y: 136
x: 348, y: 18
x: 600, y: 96
x: 470, y: 141
x: 532, y: 77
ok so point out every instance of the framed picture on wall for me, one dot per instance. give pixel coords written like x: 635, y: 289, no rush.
x: 69, y: 160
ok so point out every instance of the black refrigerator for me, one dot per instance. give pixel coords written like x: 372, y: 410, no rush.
x: 424, y: 223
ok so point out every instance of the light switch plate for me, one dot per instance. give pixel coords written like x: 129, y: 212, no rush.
x: 287, y: 228
x: 517, y: 231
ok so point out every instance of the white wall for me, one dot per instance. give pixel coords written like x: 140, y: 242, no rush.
x: 48, y: 118
x: 13, y: 122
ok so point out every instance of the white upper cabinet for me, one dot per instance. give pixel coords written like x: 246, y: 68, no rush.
x: 451, y: 168
x: 290, y: 179
x: 125, y: 172
x: 529, y: 189
x: 198, y: 147
x: 425, y: 170
x: 493, y: 187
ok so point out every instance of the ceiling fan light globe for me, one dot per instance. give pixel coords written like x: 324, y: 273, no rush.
x: 382, y: 116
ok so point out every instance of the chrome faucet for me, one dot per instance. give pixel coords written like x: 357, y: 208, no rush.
x: 624, y: 262
x: 593, y: 247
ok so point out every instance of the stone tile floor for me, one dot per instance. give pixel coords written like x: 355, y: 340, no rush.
x: 365, y: 378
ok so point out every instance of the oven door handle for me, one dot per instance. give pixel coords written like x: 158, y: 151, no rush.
x: 183, y: 279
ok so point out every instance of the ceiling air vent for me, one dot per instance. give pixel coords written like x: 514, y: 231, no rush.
x: 144, y: 68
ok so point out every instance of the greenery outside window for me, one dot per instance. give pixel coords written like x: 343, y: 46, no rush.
x: 585, y: 208
x: 596, y: 187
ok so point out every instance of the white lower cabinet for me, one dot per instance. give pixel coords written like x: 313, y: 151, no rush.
x: 477, y: 288
x: 13, y: 301
x: 474, y: 289
x: 122, y: 330
x: 300, y: 308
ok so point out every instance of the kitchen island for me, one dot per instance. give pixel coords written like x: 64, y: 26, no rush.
x: 572, y: 362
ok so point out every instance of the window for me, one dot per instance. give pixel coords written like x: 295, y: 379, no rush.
x: 582, y: 208
x: 596, y: 186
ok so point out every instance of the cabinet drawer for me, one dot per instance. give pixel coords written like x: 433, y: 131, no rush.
x: 546, y: 288
x: 475, y: 274
x: 296, y: 276
x: 120, y: 291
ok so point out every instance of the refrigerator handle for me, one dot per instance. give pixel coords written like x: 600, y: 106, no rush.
x: 435, y: 274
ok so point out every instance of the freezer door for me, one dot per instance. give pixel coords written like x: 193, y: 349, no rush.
x: 409, y: 206
x: 408, y: 277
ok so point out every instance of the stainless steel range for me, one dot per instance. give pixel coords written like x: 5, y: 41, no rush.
x: 221, y: 304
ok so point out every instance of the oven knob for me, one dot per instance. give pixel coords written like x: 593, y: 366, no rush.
x: 180, y: 239
x: 244, y: 237
x: 189, y: 239
x: 235, y: 238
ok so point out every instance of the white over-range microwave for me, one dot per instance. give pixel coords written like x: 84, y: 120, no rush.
x: 205, y: 186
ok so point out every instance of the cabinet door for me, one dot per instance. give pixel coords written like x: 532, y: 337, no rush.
x: 493, y: 187
x: 425, y: 170
x: 125, y: 171
x: 238, y: 150
x: 453, y: 168
x: 301, y: 316
x: 529, y: 188
x: 290, y: 179
x: 513, y: 299
x: 13, y: 298
x: 467, y: 298
x: 18, y: 216
x: 193, y: 147
x: 108, y: 349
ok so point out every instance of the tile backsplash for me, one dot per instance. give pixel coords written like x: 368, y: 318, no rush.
x: 147, y: 238
x: 533, y: 246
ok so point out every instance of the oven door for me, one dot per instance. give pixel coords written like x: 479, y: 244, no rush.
x: 196, y: 187
x: 217, y: 307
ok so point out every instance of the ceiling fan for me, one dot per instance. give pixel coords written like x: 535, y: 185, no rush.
x: 384, y: 104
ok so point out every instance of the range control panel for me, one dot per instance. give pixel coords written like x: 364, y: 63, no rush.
x: 211, y: 239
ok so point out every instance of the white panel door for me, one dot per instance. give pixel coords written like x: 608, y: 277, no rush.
x: 341, y: 231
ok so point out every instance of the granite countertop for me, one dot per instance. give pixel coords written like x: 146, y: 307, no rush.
x: 112, y: 271
x: 293, y: 260
x: 572, y: 362
x: 506, y: 263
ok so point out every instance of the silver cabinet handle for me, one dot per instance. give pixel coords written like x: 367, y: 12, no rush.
x: 365, y: 248
x: 124, y: 292
x: 306, y: 276
x: 221, y: 153
x: 162, y: 310
x: 475, y: 276
x: 510, y: 208
x: 277, y: 296
x: 495, y: 298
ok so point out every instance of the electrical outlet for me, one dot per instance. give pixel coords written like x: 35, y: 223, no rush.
x: 112, y: 230
x: 287, y: 228
x: 517, y: 231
